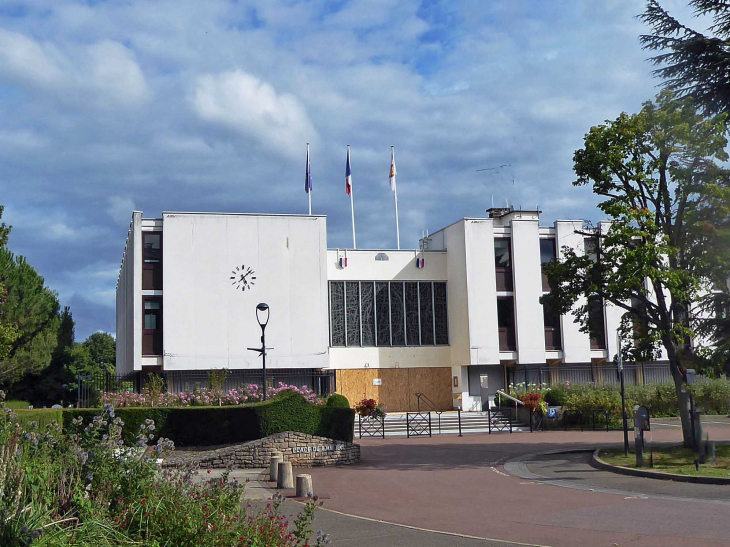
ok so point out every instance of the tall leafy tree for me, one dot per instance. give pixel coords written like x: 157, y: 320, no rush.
x: 692, y: 63
x: 29, y: 320
x: 95, y: 354
x: 46, y: 388
x: 669, y: 199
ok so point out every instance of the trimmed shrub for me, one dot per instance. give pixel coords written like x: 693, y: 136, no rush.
x: 206, y: 426
x: 338, y: 401
x: 42, y: 417
x: 556, y: 396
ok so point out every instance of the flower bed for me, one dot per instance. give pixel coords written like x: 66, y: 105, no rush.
x: 203, y: 396
x: 86, y: 486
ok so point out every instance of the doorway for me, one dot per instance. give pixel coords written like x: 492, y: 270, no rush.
x: 485, y: 381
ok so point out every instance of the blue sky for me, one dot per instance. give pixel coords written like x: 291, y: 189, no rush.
x: 206, y: 105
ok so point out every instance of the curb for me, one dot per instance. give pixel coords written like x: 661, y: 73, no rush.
x: 598, y: 463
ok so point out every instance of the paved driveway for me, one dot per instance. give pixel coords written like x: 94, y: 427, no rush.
x: 460, y: 485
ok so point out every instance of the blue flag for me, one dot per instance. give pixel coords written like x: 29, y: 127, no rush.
x: 308, y: 176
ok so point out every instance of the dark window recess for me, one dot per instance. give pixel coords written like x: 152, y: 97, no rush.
x: 388, y: 314
x: 506, y: 322
x: 596, y: 323
x: 368, y: 314
x: 441, y: 313
x: 152, y: 261
x: 426, y: 304
x: 552, y: 329
x: 503, y: 263
x: 547, y: 253
x: 152, y: 326
x: 396, y: 314
x: 382, y: 307
x: 413, y: 327
x: 353, y: 313
x: 337, y: 313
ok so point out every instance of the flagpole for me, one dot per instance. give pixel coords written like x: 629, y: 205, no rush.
x: 309, y: 193
x: 352, y: 202
x: 395, y: 195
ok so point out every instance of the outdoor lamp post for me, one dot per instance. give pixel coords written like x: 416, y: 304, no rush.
x: 620, y: 363
x: 260, y: 309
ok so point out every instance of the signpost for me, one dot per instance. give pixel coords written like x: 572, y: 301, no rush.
x: 620, y: 361
x: 641, y: 424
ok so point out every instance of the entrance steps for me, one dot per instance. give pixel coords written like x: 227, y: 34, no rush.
x: 471, y: 422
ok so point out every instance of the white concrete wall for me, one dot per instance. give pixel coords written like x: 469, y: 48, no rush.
x: 576, y: 344
x: 129, y: 301
x: 481, y: 291
x: 456, y: 289
x: 527, y: 272
x: 400, y: 266
x: 207, y: 323
x: 389, y: 357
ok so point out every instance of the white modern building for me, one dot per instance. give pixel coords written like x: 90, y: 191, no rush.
x: 452, y: 320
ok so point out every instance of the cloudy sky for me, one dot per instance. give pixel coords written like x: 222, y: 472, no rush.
x: 206, y: 105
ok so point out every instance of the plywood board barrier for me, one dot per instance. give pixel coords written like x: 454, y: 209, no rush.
x: 398, y: 386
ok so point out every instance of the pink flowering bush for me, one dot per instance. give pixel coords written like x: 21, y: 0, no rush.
x: 251, y: 393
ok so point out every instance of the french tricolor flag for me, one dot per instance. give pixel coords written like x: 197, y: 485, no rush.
x: 420, y: 262
x: 348, y: 174
x: 343, y: 262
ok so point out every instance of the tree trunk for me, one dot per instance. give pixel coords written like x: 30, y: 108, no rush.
x: 682, y: 394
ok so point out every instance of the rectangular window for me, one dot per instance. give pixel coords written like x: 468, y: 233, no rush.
x: 425, y: 303
x: 396, y: 314
x: 506, y: 322
x: 382, y: 312
x: 441, y: 313
x: 337, y: 313
x: 353, y: 313
x: 503, y: 263
x: 368, y: 314
x: 547, y: 253
x: 552, y: 329
x: 152, y: 261
x: 596, y: 323
x: 152, y: 326
x: 413, y: 326
x: 591, y: 250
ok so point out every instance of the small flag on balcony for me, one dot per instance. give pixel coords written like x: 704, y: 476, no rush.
x: 343, y: 262
x: 420, y: 262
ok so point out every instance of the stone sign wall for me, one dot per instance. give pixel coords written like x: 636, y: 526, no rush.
x: 300, y: 449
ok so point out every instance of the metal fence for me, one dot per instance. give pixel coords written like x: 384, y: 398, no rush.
x: 323, y: 383
x: 635, y: 374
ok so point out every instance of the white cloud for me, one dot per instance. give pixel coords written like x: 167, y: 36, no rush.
x: 27, y: 61
x: 120, y: 209
x: 252, y: 107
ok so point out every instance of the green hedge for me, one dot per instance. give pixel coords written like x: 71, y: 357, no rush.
x: 337, y: 401
x: 43, y: 416
x: 206, y: 426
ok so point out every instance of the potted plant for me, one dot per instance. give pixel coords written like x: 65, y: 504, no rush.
x: 369, y: 408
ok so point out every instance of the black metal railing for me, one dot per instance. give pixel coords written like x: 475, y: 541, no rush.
x: 431, y: 405
x: 499, y: 419
x: 371, y: 426
x: 418, y: 423
x: 605, y: 374
x: 90, y: 386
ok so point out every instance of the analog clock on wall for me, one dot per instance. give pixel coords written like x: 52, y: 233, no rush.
x: 243, y: 278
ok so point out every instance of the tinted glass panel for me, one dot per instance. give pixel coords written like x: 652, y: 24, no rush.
x: 412, y: 323
x: 502, y: 257
x: 152, y: 246
x: 353, y: 313
x: 382, y: 305
x: 426, y: 303
x: 151, y: 305
x: 396, y: 314
x: 441, y: 313
x: 337, y: 313
x: 547, y: 250
x: 368, y: 315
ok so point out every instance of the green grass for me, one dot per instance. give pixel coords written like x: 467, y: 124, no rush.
x: 14, y: 404
x: 674, y: 459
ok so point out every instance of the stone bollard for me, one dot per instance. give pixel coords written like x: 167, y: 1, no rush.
x: 304, y: 486
x: 285, y: 476
x: 276, y: 459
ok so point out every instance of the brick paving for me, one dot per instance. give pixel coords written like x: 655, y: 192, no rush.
x: 459, y: 484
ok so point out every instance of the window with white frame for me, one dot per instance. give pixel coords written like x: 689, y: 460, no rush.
x: 388, y: 313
